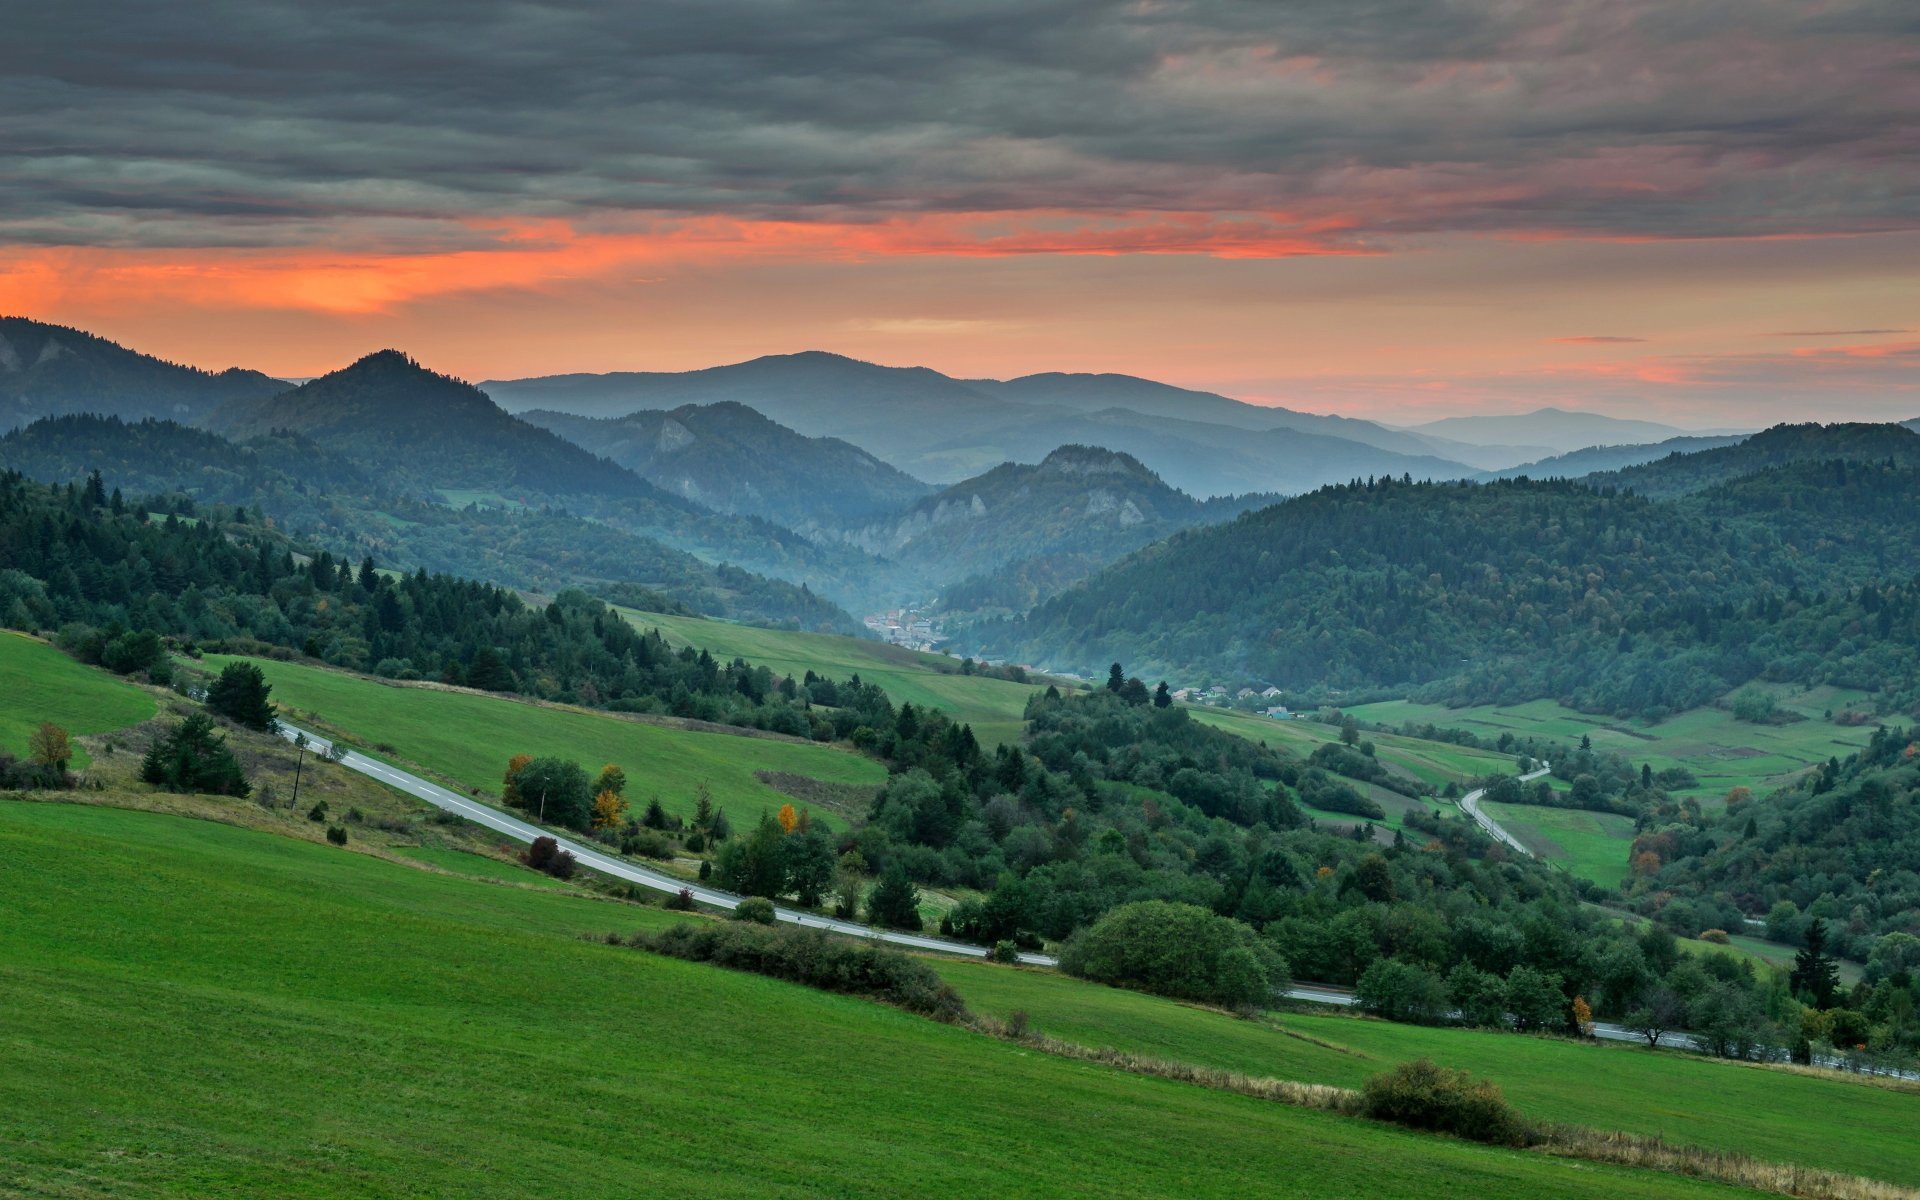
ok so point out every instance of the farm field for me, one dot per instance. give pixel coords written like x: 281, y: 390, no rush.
x: 1592, y: 845
x: 41, y: 683
x: 468, y: 738
x: 992, y: 706
x: 1722, y: 753
x: 1432, y: 763
x: 360, y: 1028
x: 1835, y: 1123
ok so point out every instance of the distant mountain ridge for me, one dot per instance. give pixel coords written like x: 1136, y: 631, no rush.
x: 1580, y: 463
x: 51, y: 371
x: 1782, y: 445
x: 942, y: 429
x: 735, y: 460
x: 1558, y: 429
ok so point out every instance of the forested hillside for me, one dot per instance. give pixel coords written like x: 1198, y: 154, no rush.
x: 731, y: 459
x: 308, y: 491
x: 49, y: 370
x: 1608, y: 600
x: 1681, y: 473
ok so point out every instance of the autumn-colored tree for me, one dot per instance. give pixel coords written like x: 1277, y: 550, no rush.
x: 787, y: 818
x: 612, y: 779
x: 806, y: 821
x: 510, y: 785
x: 1646, y: 863
x: 1583, y: 1016
x: 1738, y: 797
x: 49, y: 746
x: 609, y: 810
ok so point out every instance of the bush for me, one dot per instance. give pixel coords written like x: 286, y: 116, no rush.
x: 1004, y: 951
x: 545, y: 854
x: 1401, y: 991
x: 1421, y: 1095
x: 192, y: 758
x: 757, y: 909
x: 1179, y: 950
x: 1717, y: 936
x: 680, y: 901
x: 337, y: 834
x: 647, y: 843
x: 812, y: 957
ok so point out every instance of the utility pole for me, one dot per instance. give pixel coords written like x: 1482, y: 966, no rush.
x: 300, y: 743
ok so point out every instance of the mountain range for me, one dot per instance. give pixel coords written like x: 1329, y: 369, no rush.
x: 50, y: 371
x: 943, y: 429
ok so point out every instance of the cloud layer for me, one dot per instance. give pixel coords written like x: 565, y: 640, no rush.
x: 1056, y: 126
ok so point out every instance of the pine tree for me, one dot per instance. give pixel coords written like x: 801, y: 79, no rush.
x: 240, y: 695
x: 1814, y: 971
x: 1162, y: 698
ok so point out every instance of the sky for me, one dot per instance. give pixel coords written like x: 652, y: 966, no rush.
x: 1699, y: 211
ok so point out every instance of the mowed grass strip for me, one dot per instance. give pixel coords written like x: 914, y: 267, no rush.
x: 196, y: 1010
x: 994, y: 707
x: 1835, y: 1124
x: 39, y: 683
x: 468, y: 738
x: 1592, y: 845
x: 1433, y: 763
x: 1723, y: 753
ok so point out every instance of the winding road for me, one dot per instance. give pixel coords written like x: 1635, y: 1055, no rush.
x: 1470, y: 804
x: 606, y: 864
x: 492, y: 818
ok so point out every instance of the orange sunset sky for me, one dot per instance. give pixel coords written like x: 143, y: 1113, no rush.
x: 1703, y: 213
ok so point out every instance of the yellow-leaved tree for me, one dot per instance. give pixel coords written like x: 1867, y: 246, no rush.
x: 787, y: 817
x: 510, y: 785
x: 609, y: 810
x: 49, y: 746
x: 1583, y: 1016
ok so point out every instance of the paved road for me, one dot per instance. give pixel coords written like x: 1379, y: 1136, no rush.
x: 606, y: 864
x: 1470, y: 804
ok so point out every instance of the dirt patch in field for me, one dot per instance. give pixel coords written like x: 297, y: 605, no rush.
x: 841, y: 799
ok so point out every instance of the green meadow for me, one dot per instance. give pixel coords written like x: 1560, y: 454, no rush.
x: 42, y: 684
x: 467, y: 738
x: 1836, y: 1123
x: 1592, y: 845
x: 1723, y: 753
x: 195, y: 1009
x: 1433, y: 763
x: 994, y: 707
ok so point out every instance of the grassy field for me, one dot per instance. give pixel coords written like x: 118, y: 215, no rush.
x: 40, y: 683
x: 1721, y: 752
x: 992, y: 706
x: 1592, y: 845
x: 1836, y: 1123
x: 468, y: 738
x: 195, y: 1009
x: 1433, y: 763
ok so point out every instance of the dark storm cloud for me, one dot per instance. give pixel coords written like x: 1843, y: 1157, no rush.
x: 281, y: 122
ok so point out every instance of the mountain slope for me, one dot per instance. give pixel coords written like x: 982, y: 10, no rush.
x: 49, y: 370
x: 389, y: 411
x: 944, y: 430
x: 309, y: 491
x: 1507, y: 591
x: 1594, y: 459
x: 1680, y: 474
x: 1557, y: 428
x: 734, y: 460
x: 1079, y: 503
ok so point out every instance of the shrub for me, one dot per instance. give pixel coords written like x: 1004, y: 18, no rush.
x: 1178, y: 950
x: 192, y: 758
x: 1005, y: 951
x: 1717, y: 936
x: 1401, y: 991
x: 680, y: 901
x: 1421, y: 1095
x: 812, y: 957
x: 647, y: 843
x: 757, y: 909
x: 337, y: 834
x: 318, y: 813
x: 545, y: 854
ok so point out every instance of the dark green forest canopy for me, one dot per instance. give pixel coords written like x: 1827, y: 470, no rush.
x: 1514, y: 590
x: 316, y: 493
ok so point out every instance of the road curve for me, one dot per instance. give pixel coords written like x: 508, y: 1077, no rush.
x: 1470, y: 804
x: 606, y: 864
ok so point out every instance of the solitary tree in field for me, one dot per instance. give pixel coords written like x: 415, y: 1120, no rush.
x: 240, y: 695
x: 49, y: 746
x: 1662, y: 1013
x: 1349, y: 731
